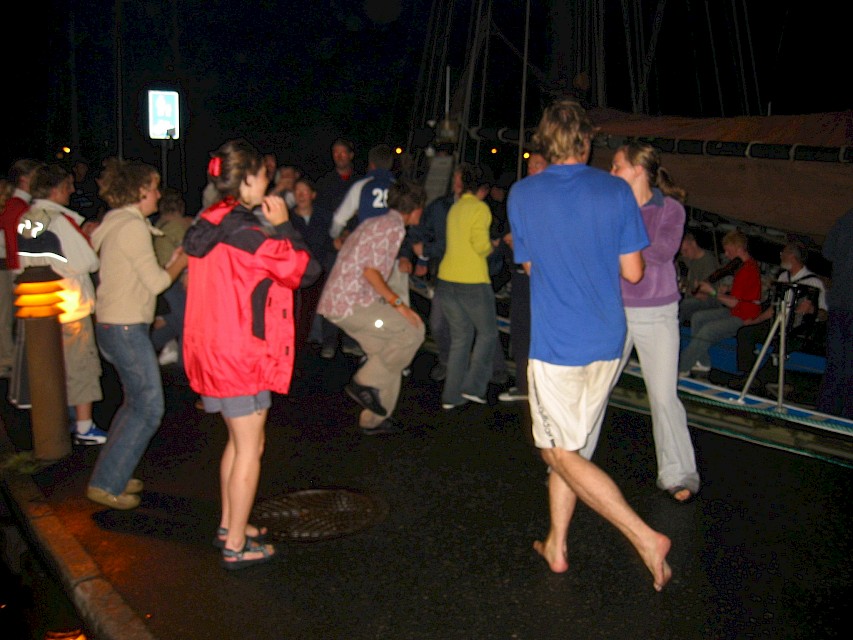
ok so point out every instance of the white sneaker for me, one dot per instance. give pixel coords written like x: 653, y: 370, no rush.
x: 472, y: 398
x: 169, y: 353
x: 701, y: 368
x: 511, y: 395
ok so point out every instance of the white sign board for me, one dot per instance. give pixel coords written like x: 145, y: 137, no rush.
x: 164, y: 121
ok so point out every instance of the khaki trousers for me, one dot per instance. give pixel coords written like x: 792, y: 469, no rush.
x: 389, y: 343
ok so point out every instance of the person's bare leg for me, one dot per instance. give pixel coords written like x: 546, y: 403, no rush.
x: 246, y: 434
x: 83, y: 411
x: 561, y: 502
x: 225, y: 466
x: 598, y: 490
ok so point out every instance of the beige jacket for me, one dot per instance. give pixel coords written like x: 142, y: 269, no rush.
x: 130, y: 278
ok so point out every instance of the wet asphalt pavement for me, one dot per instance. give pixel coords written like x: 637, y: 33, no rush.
x: 763, y: 552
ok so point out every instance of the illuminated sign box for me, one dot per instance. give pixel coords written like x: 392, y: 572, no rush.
x: 164, y: 120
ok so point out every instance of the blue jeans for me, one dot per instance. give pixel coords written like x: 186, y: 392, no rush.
x: 472, y: 320
x: 176, y: 296
x: 707, y: 328
x: 128, y: 348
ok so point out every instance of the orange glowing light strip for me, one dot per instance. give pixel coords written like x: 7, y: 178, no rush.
x: 24, y: 288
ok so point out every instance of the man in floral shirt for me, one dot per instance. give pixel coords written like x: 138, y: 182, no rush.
x: 359, y: 301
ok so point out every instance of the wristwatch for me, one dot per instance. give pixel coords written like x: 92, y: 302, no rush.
x: 397, y: 302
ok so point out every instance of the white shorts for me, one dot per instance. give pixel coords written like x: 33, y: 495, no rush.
x: 567, y: 403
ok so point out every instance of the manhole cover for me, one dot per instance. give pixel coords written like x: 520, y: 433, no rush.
x: 318, y: 514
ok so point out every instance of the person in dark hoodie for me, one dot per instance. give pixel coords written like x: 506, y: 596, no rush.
x: 239, y: 330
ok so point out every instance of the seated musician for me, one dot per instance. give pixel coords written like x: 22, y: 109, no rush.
x: 696, y: 264
x: 809, y: 307
x: 740, y: 304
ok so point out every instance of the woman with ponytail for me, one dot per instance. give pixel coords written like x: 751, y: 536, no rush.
x: 651, y: 309
x: 238, y: 332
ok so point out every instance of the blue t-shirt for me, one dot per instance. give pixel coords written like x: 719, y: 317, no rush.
x: 572, y: 222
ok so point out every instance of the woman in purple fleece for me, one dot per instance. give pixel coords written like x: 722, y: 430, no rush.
x: 651, y: 309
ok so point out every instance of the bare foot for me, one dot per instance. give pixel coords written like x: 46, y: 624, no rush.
x: 555, y: 556
x: 682, y: 496
x: 655, y: 559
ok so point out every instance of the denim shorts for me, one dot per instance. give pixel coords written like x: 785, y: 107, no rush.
x: 238, y: 406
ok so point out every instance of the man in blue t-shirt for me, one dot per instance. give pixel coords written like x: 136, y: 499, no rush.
x: 577, y: 229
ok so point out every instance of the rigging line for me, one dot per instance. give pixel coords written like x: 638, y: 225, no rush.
x: 639, y: 47
x: 578, y: 47
x: 440, y: 68
x: 420, y: 101
x: 540, y: 76
x: 752, y: 57
x: 583, y: 40
x: 598, y: 47
x: 474, y: 53
x: 119, y: 80
x: 435, y: 55
x: 693, y: 41
x: 426, y: 75
x: 650, y: 54
x: 523, y: 93
x: 483, y: 83
x: 626, y: 23
x: 778, y: 55
x: 714, y: 59
x: 739, y: 48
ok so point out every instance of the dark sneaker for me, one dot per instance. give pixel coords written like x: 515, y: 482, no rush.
x: 387, y: 426
x: 367, y: 397
x: 352, y: 350
x: 438, y: 373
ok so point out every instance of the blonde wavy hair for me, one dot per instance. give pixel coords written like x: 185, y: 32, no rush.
x: 565, y: 132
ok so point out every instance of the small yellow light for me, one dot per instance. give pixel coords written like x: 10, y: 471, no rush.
x: 494, y: 150
x: 398, y: 150
x: 526, y: 155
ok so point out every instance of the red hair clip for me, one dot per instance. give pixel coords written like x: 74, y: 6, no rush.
x: 214, y: 167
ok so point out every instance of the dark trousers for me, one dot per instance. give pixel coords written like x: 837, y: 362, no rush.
x: 307, y: 300
x: 836, y: 389
x: 519, y: 322
x: 748, y: 337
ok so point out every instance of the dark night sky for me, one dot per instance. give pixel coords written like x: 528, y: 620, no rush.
x: 292, y: 76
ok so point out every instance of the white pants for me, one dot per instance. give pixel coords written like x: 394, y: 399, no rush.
x: 653, y: 331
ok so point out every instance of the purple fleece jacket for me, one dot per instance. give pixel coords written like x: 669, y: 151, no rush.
x: 664, y: 219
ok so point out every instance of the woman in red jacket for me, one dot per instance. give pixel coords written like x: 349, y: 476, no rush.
x: 238, y: 344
